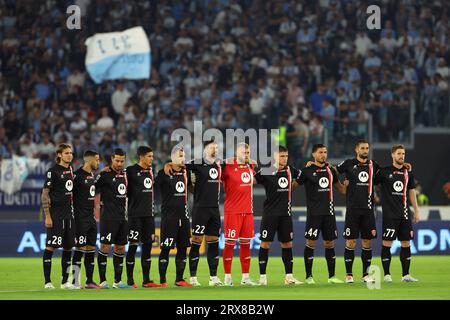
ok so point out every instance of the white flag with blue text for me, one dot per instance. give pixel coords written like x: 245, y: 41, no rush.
x: 14, y: 172
x: 118, y: 55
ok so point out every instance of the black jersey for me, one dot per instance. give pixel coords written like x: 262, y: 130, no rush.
x: 59, y: 180
x: 395, y: 184
x: 318, y: 183
x: 140, y: 191
x: 278, y: 186
x: 207, y: 183
x: 361, y: 177
x: 112, y: 187
x: 84, y: 194
x: 174, y: 193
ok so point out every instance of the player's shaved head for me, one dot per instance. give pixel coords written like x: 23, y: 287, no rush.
x: 91, y: 160
x: 89, y: 154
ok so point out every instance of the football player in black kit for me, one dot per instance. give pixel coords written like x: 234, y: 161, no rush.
x: 57, y: 203
x: 277, y: 216
x: 397, y: 193
x: 175, y: 224
x: 319, y: 180
x: 112, y: 187
x: 205, y: 213
x: 360, y: 216
x: 141, y: 215
x: 86, y: 226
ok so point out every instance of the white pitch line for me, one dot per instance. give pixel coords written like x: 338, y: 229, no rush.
x: 16, y: 291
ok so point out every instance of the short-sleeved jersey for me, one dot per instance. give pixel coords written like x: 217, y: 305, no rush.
x: 112, y: 187
x: 174, y: 193
x: 59, y: 181
x: 140, y: 191
x: 395, y: 184
x: 318, y: 183
x: 237, y: 180
x: 361, y: 177
x: 278, y: 186
x: 84, y: 194
x: 207, y: 183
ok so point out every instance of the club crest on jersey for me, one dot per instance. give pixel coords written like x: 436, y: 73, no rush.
x: 323, y: 182
x: 121, y: 189
x: 92, y: 191
x: 179, y: 186
x: 147, y: 183
x: 69, y: 185
x: 398, y: 186
x: 363, y: 176
x: 213, y: 173
x: 245, y: 177
x: 283, y: 182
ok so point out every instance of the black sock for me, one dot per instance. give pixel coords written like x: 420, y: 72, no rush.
x: 180, y: 263
x: 405, y: 258
x: 309, y: 258
x: 102, y: 259
x: 286, y: 256
x: 349, y: 256
x: 162, y: 264
x: 76, y: 265
x: 65, y: 264
x: 146, y: 261
x: 89, y: 257
x: 331, y: 261
x: 47, y: 262
x: 366, y: 258
x: 118, y: 266
x: 263, y: 258
x: 386, y: 259
x: 131, y: 254
x: 213, y: 257
x: 194, y: 256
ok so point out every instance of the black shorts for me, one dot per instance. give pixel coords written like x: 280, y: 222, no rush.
x: 175, y: 232
x: 400, y: 229
x: 206, y: 221
x: 142, y: 230
x: 282, y: 225
x: 113, y: 232
x: 360, y: 221
x: 62, y: 234
x: 86, y: 231
x: 325, y: 224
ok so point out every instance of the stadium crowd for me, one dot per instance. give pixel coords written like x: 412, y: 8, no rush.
x: 307, y: 67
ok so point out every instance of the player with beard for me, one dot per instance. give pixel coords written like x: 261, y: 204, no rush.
x: 397, y: 193
x: 319, y: 180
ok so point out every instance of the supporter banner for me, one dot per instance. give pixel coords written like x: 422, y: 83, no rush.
x: 118, y: 55
x: 27, y: 239
x: 29, y: 197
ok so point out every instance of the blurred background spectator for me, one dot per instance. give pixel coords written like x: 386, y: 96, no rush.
x: 309, y: 67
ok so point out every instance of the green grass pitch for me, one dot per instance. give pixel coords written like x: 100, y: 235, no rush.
x: 21, y: 278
